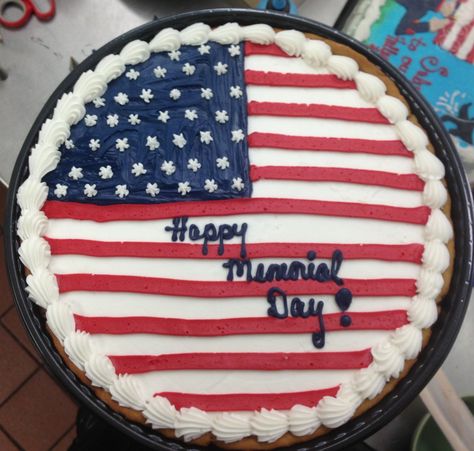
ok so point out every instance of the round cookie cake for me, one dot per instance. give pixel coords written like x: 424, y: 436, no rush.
x: 239, y: 235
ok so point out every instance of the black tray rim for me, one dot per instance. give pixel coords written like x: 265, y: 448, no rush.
x: 454, y: 305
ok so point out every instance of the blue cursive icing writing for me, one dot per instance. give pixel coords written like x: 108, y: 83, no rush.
x: 298, y: 309
x: 283, y: 271
x: 281, y: 307
x: 209, y: 234
x: 343, y: 301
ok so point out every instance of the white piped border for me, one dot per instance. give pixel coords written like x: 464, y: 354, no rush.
x: 268, y: 426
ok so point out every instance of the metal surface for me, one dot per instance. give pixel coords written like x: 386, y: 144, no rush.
x: 37, y: 59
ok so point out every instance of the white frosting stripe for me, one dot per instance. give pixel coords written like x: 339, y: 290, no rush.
x: 338, y: 192
x: 261, y: 228
x: 228, y: 381
x: 330, y: 128
x: 281, y: 157
x: 135, y: 344
x: 200, y: 269
x: 128, y: 304
x: 322, y: 96
x: 270, y: 63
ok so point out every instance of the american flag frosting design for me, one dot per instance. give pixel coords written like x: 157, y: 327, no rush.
x: 195, y: 172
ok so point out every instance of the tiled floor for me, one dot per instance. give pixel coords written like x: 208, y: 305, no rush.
x: 35, y: 413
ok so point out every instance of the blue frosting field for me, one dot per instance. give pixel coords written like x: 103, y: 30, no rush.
x: 81, y: 156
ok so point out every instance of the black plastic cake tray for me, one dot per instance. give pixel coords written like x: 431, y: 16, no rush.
x: 454, y: 305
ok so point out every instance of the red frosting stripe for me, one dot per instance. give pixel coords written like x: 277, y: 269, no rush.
x: 247, y: 401
x: 384, y: 320
x: 255, y: 77
x: 344, y: 113
x: 388, y: 252
x: 370, y: 146
x: 257, y: 49
x: 460, y: 39
x: 470, y: 56
x: 142, y: 212
x: 218, y: 289
x: 261, y: 361
x: 443, y: 33
x: 322, y: 174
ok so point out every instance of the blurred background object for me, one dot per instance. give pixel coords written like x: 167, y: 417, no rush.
x: 286, y: 6
x: 432, y: 44
x: 16, y: 13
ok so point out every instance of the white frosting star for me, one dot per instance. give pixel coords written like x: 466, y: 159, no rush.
x: 238, y: 184
x: 190, y: 114
x: 237, y: 135
x: 98, y: 102
x: 236, y: 92
x: 121, y: 144
x: 60, y: 191
x: 89, y: 190
x: 175, y: 94
x: 112, y: 120
x: 168, y: 167
x: 94, y: 144
x: 189, y: 69
x: 210, y: 185
x: 160, y: 72
x: 134, y: 119
x: 75, y: 173
x: 163, y: 116
x: 121, y: 98
x: 193, y: 164
x: 179, y: 140
x: 121, y: 191
x: 222, y: 117
x: 206, y: 93
x: 184, y: 188
x: 174, y: 55
x: 234, y: 50
x: 220, y: 68
x: 132, y: 74
x: 69, y: 144
x: 204, y: 49
x: 90, y: 120
x: 206, y: 137
x: 222, y: 163
x: 106, y: 172
x: 138, y: 169
x: 152, y: 189
x: 152, y: 142
x: 146, y: 95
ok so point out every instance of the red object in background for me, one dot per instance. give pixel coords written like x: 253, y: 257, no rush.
x: 27, y: 9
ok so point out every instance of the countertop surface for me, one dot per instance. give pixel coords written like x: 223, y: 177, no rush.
x: 37, y: 58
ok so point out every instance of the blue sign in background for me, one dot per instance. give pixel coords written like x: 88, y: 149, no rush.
x: 441, y: 76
